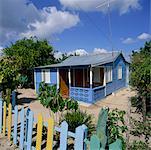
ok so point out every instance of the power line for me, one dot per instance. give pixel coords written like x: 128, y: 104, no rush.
x: 93, y: 23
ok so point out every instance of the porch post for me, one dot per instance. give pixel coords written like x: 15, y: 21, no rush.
x: 57, y: 78
x: 91, y: 77
x: 105, y: 80
x: 69, y: 76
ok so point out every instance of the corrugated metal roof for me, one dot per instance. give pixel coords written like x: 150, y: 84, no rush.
x: 87, y: 60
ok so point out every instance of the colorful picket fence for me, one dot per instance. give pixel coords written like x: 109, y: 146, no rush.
x: 24, y: 119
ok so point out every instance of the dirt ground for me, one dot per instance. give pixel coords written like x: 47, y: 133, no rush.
x: 27, y: 98
x: 6, y: 145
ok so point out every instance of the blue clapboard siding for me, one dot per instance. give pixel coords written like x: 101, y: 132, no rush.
x: 53, y: 76
x: 116, y: 83
x: 38, y: 77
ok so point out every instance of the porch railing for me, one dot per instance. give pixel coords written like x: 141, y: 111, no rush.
x: 81, y: 94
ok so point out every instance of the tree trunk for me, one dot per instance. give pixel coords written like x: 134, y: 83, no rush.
x: 144, y: 108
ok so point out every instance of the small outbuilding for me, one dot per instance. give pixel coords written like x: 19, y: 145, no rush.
x: 86, y: 78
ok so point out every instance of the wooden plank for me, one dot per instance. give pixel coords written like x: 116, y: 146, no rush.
x: 81, y: 133
x: 63, y: 135
x: 50, y: 134
x: 4, y: 119
x: 1, y: 108
x: 39, y: 132
x: 13, y: 99
x: 21, y: 144
x: 15, y: 125
x: 30, y: 129
x: 9, y: 121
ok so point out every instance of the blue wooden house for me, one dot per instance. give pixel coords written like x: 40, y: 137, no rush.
x: 86, y: 78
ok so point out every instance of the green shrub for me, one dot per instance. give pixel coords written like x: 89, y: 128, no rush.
x: 77, y: 118
x: 116, y: 126
x: 23, y: 79
x: 136, y: 102
x: 50, y: 98
x: 139, y: 145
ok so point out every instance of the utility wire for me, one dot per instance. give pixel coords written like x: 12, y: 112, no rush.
x: 94, y: 24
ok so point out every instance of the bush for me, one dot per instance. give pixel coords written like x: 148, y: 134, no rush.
x: 77, y: 118
x: 116, y: 126
x: 50, y: 98
x: 136, y: 102
x: 139, y: 145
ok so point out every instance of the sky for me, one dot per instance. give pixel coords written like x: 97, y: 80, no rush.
x: 81, y: 26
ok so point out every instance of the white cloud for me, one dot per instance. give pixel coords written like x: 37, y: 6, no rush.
x: 21, y: 17
x: 99, y: 50
x: 81, y: 52
x: 123, y: 6
x: 144, y: 36
x: 53, y: 21
x: 128, y: 40
x: 1, y: 50
x: 58, y: 55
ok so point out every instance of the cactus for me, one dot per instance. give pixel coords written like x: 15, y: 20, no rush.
x: 117, y: 145
x: 101, y: 126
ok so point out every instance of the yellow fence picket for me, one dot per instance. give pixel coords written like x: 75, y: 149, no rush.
x: 50, y: 134
x: 39, y: 132
x: 9, y: 121
x: 4, y: 118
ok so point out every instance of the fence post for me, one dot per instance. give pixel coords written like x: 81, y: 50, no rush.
x: 29, y: 130
x: 39, y: 132
x: 80, y: 135
x: 15, y: 125
x: 21, y: 144
x: 4, y: 118
x: 1, y: 108
x: 9, y: 121
x: 13, y: 99
x: 63, y: 135
x: 50, y: 134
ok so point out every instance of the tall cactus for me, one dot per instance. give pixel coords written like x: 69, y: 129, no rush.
x: 101, y: 126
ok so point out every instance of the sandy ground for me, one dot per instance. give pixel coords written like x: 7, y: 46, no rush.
x: 6, y: 145
x: 118, y: 100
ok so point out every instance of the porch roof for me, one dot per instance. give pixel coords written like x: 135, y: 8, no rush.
x: 87, y: 60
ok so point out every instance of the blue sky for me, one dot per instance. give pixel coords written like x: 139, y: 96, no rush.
x: 77, y: 25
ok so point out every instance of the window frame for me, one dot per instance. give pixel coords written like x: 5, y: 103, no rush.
x: 109, y: 74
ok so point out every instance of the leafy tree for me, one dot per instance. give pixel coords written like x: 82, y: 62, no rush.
x: 9, y: 75
x: 30, y: 53
x: 141, y: 75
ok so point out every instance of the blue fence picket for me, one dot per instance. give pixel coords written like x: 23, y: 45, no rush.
x: 1, y: 108
x: 29, y: 130
x: 80, y: 134
x: 15, y: 125
x: 13, y: 99
x: 63, y: 135
x: 21, y: 144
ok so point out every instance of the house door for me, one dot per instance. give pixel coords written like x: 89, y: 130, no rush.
x: 64, y: 82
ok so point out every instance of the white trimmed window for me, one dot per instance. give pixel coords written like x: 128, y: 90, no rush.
x: 119, y: 72
x: 108, y: 74
x: 46, y: 75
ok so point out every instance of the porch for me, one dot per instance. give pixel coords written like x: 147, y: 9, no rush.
x: 85, y: 84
